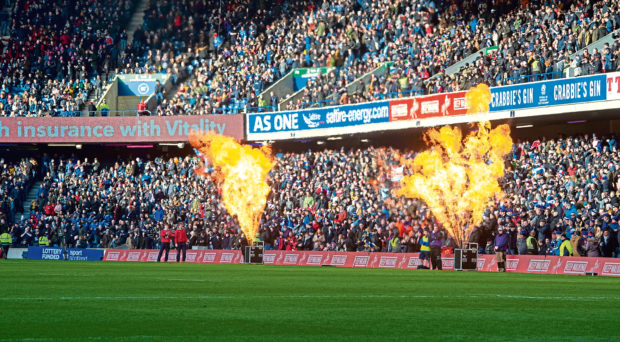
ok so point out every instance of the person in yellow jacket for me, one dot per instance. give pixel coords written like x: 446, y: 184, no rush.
x: 566, y: 249
x: 532, y: 243
x: 5, y: 240
x: 44, y: 241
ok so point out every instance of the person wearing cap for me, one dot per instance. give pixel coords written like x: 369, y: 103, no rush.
x: 566, y: 249
x: 180, y: 240
x: 592, y: 246
x: 501, y: 246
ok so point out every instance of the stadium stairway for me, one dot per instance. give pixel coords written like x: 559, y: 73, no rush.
x: 136, y: 20
x: 32, y: 195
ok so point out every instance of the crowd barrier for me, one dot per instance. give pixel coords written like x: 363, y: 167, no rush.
x: 514, y: 263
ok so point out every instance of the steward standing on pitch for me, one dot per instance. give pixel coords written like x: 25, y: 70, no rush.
x: 6, y: 241
x: 501, y: 246
x: 180, y: 240
x: 436, y: 243
x: 165, y: 235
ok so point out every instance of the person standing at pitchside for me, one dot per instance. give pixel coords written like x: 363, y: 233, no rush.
x: 166, y: 236
x: 501, y: 246
x: 180, y: 240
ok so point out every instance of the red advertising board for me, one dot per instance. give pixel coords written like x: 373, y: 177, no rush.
x: 132, y: 129
x: 487, y: 263
x: 428, y: 106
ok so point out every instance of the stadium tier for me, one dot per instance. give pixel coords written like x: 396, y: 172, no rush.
x: 229, y: 57
x: 329, y: 200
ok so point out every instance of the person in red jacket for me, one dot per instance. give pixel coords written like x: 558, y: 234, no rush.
x: 166, y: 235
x: 180, y: 239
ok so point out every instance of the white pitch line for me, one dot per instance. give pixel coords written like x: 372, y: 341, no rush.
x: 112, y: 298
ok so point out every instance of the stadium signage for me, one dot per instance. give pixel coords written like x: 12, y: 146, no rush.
x: 549, y: 93
x: 437, y: 109
x: 116, y: 129
x: 297, y: 122
x: 55, y: 253
x: 486, y: 262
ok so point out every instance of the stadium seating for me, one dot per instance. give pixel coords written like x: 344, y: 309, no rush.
x: 221, y: 64
x: 323, y: 200
x: 58, y: 55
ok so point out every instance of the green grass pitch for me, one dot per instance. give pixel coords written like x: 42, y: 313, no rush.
x: 86, y: 301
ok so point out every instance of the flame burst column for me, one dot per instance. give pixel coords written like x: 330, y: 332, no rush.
x: 458, y: 177
x: 242, y: 172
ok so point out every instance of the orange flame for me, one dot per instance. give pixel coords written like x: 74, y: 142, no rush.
x: 456, y: 177
x: 242, y: 174
x: 478, y: 99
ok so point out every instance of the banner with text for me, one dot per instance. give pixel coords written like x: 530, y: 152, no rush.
x: 514, y: 263
x: 131, y: 129
x: 55, y: 253
x: 549, y: 93
x: 319, y: 118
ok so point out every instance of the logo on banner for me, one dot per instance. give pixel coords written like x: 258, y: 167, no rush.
x: 576, y: 267
x: 399, y: 110
x: 414, y: 262
x: 291, y: 259
x: 143, y: 89
x: 227, y: 258
x: 387, y: 262
x: 361, y: 261
x: 611, y: 268
x: 133, y: 256
x: 191, y: 257
x: 339, y: 260
x: 310, y: 120
x: 481, y: 262
x: 512, y: 264
x: 538, y: 265
x: 314, y: 259
x: 152, y: 256
x: 429, y: 107
x: 209, y: 257
x: 113, y: 256
x: 269, y: 258
x: 460, y: 103
x: 447, y: 263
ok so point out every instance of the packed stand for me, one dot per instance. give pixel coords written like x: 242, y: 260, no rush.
x: 326, y: 200
x: 529, y: 44
x: 58, y: 53
x: 15, y: 181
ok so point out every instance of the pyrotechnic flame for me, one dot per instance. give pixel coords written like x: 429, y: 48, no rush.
x: 478, y: 99
x: 242, y: 173
x: 456, y: 177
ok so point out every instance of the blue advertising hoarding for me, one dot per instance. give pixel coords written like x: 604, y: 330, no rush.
x: 320, y: 118
x: 55, y: 253
x: 549, y: 93
x: 137, y: 88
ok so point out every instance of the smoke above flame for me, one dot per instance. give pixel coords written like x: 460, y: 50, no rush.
x: 457, y: 177
x: 242, y: 173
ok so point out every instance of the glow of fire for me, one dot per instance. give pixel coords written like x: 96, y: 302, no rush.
x: 242, y: 172
x: 478, y: 99
x: 457, y: 177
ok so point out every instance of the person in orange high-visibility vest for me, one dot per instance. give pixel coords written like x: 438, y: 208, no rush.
x: 166, y: 235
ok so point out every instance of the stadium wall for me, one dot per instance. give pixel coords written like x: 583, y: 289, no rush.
x: 486, y: 262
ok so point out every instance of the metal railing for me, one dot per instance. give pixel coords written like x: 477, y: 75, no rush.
x: 533, y: 77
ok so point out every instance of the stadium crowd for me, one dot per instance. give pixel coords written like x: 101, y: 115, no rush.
x: 555, y: 189
x: 221, y: 59
x: 58, y: 53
